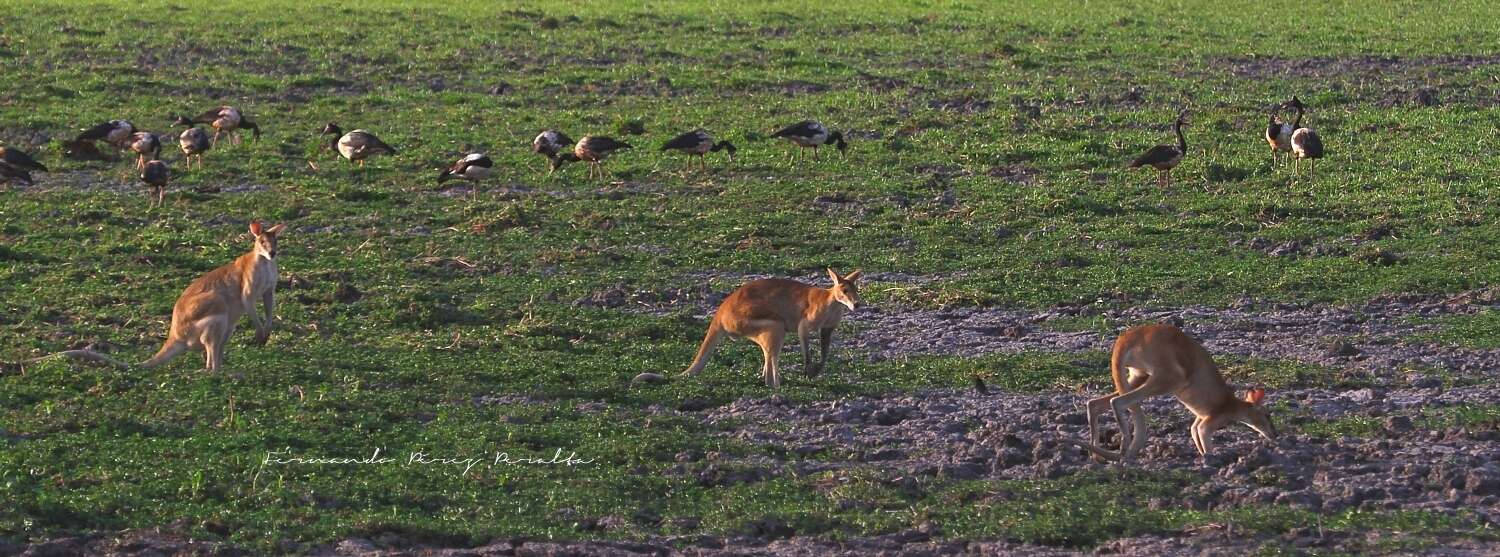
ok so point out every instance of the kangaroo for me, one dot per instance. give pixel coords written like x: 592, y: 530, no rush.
x: 1151, y: 360
x: 764, y: 310
x: 207, y: 311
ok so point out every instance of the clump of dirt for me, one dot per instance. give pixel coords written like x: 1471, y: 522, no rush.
x: 1015, y: 173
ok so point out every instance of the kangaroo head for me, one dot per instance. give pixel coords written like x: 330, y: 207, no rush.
x: 1254, y: 413
x: 845, y: 290
x: 265, y: 239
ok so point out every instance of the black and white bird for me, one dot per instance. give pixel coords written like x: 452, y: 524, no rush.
x: 114, y: 132
x: 155, y: 175
x: 356, y: 145
x: 698, y: 143
x: 15, y: 164
x: 811, y: 133
x: 593, y: 149
x: 193, y: 141
x: 226, y: 120
x: 473, y: 167
x: 1166, y: 157
x: 1305, y: 142
x: 145, y: 144
x: 1278, y: 134
x: 548, y: 144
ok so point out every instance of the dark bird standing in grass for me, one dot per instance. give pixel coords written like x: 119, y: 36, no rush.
x: 155, y: 175
x: 357, y: 145
x: 82, y: 150
x: 114, y: 132
x: 811, y: 133
x: 143, y: 144
x: 1279, y: 134
x: 1305, y: 142
x: 17, y: 165
x: 227, y: 120
x: 549, y: 144
x: 979, y: 387
x: 1166, y: 157
x: 594, y: 149
x: 698, y: 142
x: 473, y: 167
x: 193, y: 141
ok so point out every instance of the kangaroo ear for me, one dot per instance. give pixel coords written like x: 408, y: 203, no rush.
x: 255, y: 227
x: 1255, y: 396
x: 851, y: 277
x: 835, y: 276
x: 276, y: 230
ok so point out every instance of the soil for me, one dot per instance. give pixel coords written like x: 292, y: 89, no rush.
x: 1378, y: 338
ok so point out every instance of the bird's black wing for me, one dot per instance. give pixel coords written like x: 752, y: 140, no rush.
x: 607, y: 144
x: 805, y: 128
x: 98, y: 132
x: 1157, y: 154
x: 1313, y: 146
x: 685, y: 141
x: 376, y: 143
x: 155, y: 173
x: 208, y: 116
x: 19, y: 159
x: 8, y: 172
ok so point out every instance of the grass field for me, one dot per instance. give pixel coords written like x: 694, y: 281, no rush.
x: 987, y: 146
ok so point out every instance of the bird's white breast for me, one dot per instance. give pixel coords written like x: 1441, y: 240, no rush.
x: 818, y: 138
x: 477, y: 172
x: 350, y: 144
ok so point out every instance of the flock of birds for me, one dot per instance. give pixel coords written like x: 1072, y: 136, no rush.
x: 358, y: 145
x: 1292, y: 139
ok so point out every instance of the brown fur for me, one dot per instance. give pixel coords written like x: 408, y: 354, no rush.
x: 765, y: 310
x: 1152, y: 360
x: 208, y: 310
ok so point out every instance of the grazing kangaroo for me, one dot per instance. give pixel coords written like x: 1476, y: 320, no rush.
x: 1151, y: 360
x: 207, y: 311
x: 764, y: 310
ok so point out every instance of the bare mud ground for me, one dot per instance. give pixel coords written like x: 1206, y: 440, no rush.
x: 912, y: 441
x: 1373, y: 339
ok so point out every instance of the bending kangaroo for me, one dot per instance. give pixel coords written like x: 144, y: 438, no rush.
x: 1151, y: 360
x: 764, y: 310
x: 206, y: 313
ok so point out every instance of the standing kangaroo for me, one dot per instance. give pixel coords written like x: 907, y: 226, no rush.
x: 765, y: 310
x: 1152, y: 360
x: 207, y: 311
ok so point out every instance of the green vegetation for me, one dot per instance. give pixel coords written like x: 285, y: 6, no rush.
x: 1478, y: 330
x: 1479, y: 416
x: 408, y: 313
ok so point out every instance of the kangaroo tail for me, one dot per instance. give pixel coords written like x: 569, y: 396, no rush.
x: 710, y: 340
x: 1090, y: 447
x: 169, y: 349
